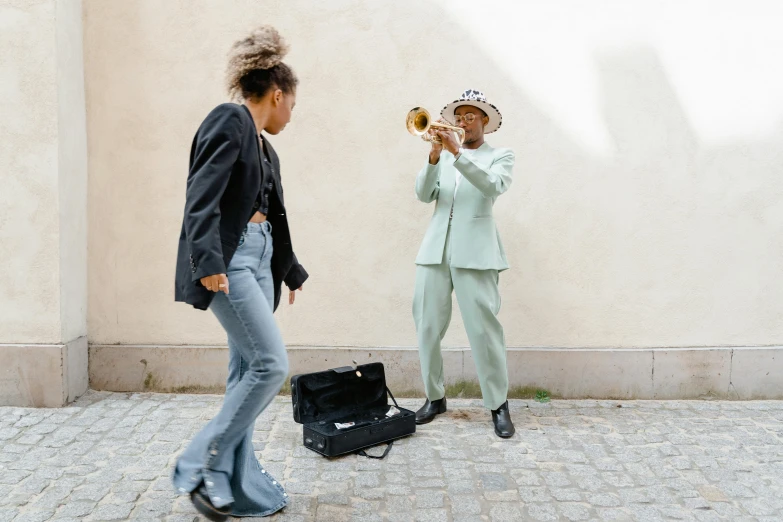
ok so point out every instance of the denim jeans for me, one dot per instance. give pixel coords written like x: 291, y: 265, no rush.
x: 221, y: 455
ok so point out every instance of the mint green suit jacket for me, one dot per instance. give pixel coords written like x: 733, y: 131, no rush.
x: 475, y: 241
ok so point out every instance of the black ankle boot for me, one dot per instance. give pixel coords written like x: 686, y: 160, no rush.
x: 203, y: 505
x: 427, y: 412
x: 504, y: 428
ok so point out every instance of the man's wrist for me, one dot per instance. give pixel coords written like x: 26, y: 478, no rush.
x: 458, y: 154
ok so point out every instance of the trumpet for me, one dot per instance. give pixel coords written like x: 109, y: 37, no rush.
x: 419, y: 123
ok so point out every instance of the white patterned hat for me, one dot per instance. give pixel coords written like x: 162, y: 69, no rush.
x: 475, y: 98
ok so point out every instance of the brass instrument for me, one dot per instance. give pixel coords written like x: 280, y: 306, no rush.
x: 419, y: 123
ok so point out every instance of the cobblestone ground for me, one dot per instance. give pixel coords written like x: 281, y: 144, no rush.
x: 108, y: 457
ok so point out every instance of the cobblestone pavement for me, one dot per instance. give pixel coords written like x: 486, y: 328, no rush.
x: 108, y: 457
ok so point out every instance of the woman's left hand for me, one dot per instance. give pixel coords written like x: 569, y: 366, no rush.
x: 292, y: 295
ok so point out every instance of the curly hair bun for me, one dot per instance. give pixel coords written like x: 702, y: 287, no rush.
x: 262, y: 49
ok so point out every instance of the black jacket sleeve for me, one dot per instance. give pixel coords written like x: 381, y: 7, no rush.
x: 296, y: 276
x: 215, y: 150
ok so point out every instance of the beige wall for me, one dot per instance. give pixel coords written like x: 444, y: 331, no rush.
x: 72, y: 156
x: 29, y: 199
x: 44, y: 172
x: 43, y: 203
x: 645, y: 211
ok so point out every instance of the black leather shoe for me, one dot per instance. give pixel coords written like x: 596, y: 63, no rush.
x: 504, y: 428
x: 201, y: 502
x: 427, y: 412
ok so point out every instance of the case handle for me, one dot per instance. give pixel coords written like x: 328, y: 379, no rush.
x: 392, y: 397
x: 386, y: 452
x: 389, y: 445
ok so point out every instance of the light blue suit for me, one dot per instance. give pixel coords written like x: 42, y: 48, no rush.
x: 462, y: 251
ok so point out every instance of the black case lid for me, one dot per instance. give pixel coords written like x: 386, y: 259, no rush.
x: 337, y: 393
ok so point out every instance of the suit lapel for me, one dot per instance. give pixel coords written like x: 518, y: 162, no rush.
x: 484, y: 155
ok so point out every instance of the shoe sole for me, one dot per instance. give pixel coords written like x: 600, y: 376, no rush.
x: 206, y: 508
x: 503, y: 436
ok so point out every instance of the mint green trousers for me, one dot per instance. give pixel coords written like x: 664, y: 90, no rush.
x: 479, y: 302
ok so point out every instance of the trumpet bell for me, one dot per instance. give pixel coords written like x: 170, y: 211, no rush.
x: 419, y: 122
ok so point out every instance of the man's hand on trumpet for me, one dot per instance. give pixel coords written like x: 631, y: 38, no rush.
x: 448, y: 141
x: 437, y: 148
x: 437, y: 145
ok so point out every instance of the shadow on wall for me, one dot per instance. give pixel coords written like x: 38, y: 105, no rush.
x: 663, y: 242
x: 665, y: 239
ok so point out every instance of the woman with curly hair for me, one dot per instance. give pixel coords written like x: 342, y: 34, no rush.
x: 234, y: 254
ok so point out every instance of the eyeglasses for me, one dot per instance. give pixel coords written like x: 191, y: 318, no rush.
x: 468, y: 118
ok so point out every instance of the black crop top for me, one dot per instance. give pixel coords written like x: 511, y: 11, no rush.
x: 262, y: 200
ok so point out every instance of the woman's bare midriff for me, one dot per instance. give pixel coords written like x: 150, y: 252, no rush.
x: 258, y: 217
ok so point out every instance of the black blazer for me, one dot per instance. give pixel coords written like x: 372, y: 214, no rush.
x: 226, y: 174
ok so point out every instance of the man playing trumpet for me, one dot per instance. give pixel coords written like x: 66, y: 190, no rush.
x: 462, y: 252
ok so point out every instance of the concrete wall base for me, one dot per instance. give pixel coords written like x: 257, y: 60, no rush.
x: 43, y: 375
x: 738, y: 373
